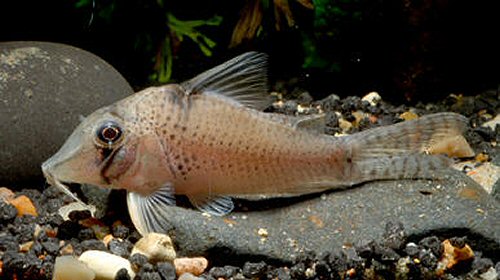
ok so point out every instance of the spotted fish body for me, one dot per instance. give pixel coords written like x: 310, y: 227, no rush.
x: 207, y: 139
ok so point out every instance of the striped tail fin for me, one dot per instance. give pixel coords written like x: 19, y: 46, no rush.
x: 399, y: 151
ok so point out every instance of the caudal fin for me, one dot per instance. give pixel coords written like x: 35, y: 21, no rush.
x: 401, y: 150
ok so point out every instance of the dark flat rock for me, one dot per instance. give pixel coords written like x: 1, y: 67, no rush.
x: 44, y: 89
x: 455, y: 204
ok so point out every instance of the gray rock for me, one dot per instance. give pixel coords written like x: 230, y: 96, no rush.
x: 44, y: 89
x: 326, y: 222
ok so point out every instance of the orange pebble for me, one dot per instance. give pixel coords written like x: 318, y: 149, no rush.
x: 195, y: 266
x: 24, y: 206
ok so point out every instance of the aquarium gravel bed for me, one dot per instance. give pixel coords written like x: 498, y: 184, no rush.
x: 33, y: 234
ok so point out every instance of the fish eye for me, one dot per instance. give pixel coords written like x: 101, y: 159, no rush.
x: 109, y: 133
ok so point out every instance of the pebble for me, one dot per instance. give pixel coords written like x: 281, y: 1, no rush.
x: 8, y: 243
x: 120, y: 247
x: 408, y: 115
x: 70, y: 268
x: 195, y: 266
x: 492, y: 123
x: 486, y: 174
x: 120, y: 231
x: 344, y: 125
x: 24, y: 206
x: 137, y: 261
x: 6, y: 194
x: 225, y: 272
x: 490, y: 274
x: 254, y: 270
x: 93, y: 244
x: 373, y: 98
x: 189, y: 276
x: 7, y: 212
x: 105, y: 265
x: 156, y: 247
x: 166, y: 270
x: 453, y: 254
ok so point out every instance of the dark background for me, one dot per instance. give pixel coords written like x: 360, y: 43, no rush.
x: 408, y: 51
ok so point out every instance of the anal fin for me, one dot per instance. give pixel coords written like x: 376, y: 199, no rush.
x: 213, y: 205
x: 149, y: 213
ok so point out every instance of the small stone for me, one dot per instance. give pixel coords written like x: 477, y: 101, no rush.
x: 120, y: 248
x: 120, y: 231
x: 51, y: 246
x: 25, y: 247
x: 225, y: 272
x: 490, y: 274
x: 156, y: 247
x: 68, y: 268
x: 411, y: 249
x: 373, y: 98
x: 137, y: 261
x: 8, y: 243
x: 310, y: 272
x: 394, y: 235
x: 486, y: 175
x: 6, y: 194
x: 402, y: 269
x: 68, y: 229
x: 166, y: 270
x: 492, y: 123
x: 105, y: 265
x: 452, y: 255
x: 189, y: 276
x: 86, y: 234
x: 7, y: 212
x: 195, y: 266
x: 254, y: 270
x: 67, y: 249
x: 344, y: 125
x: 427, y: 258
x: 408, y: 115
x: 481, y: 265
x: 433, y: 243
x: 24, y: 206
x: 93, y: 244
x: 122, y: 274
x: 262, y: 232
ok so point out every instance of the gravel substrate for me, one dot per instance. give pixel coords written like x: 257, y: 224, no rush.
x: 30, y: 244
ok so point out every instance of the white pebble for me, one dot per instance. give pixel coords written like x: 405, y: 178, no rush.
x: 70, y: 268
x: 105, y: 265
x: 492, y: 123
x: 373, y: 98
x: 156, y: 247
x: 490, y: 274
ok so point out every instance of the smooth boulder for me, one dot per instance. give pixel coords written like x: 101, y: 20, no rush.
x: 45, y: 89
x: 284, y: 229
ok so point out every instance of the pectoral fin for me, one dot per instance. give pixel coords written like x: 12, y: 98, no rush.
x: 213, y: 205
x: 150, y: 213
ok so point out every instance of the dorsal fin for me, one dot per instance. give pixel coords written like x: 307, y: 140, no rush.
x: 242, y: 79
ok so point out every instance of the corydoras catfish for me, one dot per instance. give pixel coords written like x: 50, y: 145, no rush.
x: 208, y: 139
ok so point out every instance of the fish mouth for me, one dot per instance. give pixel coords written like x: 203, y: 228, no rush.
x: 53, y: 181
